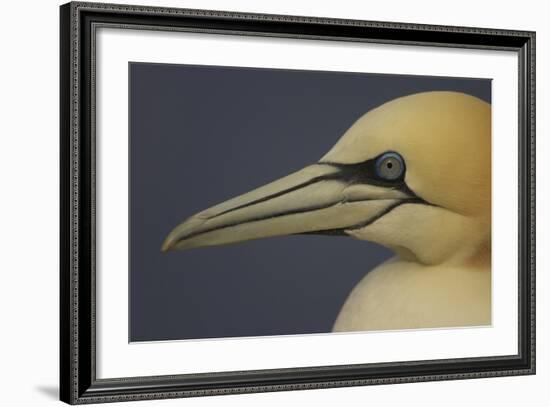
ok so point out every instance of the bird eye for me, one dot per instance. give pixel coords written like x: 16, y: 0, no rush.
x: 390, y: 166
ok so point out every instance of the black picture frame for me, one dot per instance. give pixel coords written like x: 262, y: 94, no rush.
x: 78, y: 382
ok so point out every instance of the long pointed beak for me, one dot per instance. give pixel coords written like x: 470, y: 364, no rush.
x: 316, y: 199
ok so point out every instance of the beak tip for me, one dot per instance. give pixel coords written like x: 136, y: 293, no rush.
x: 179, y: 237
x: 170, y: 243
x: 166, y: 246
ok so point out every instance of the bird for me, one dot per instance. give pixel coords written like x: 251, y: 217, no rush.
x: 413, y: 175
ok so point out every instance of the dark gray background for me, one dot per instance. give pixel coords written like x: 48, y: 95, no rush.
x: 200, y: 135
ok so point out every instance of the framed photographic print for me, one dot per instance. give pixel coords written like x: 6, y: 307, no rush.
x: 257, y: 203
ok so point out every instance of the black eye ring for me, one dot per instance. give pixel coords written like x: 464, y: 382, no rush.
x: 390, y: 166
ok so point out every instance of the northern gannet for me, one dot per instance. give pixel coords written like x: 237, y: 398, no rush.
x: 413, y: 175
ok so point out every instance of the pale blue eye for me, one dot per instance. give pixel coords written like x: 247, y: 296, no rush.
x: 390, y: 166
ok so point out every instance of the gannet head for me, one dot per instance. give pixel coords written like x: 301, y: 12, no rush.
x: 413, y: 174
